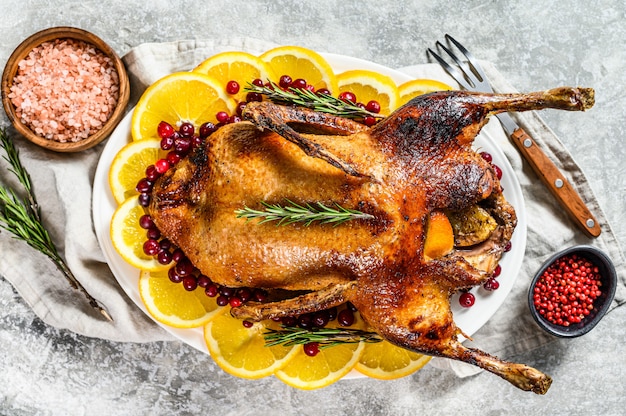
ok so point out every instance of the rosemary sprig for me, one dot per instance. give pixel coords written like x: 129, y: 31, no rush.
x: 12, y: 156
x: 321, y: 102
x: 23, y: 220
x: 325, y: 337
x: 307, y: 214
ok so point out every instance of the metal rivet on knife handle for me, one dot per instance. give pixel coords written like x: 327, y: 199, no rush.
x: 528, y: 143
x: 590, y: 223
x: 558, y: 183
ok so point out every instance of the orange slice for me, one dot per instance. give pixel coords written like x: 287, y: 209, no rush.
x: 176, y: 98
x: 299, y: 62
x: 413, y: 88
x: 170, y: 304
x: 325, y: 368
x: 128, y: 237
x: 236, y: 66
x: 241, y: 351
x: 129, y: 166
x: 439, y: 236
x: 386, y: 361
x: 369, y: 85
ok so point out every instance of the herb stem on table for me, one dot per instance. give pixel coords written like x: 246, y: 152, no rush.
x: 320, y: 102
x: 308, y: 213
x: 23, y: 220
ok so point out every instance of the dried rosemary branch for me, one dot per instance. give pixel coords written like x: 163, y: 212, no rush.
x: 321, y: 102
x: 325, y: 337
x: 307, y: 214
x: 23, y: 220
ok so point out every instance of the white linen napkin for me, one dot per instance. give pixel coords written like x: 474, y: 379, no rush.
x: 63, y: 183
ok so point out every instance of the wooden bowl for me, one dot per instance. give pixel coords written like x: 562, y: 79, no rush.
x: 37, y: 39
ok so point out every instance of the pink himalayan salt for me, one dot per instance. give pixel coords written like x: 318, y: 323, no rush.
x: 65, y: 90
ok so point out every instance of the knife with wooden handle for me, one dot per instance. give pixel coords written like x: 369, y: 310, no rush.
x: 551, y: 176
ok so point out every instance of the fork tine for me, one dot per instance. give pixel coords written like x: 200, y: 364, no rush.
x: 473, y: 63
x: 452, y: 71
x: 468, y: 75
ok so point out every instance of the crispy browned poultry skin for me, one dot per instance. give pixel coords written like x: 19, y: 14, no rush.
x: 415, y: 161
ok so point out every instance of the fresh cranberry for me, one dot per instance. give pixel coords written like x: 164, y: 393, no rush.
x: 373, y: 106
x: 232, y: 87
x: 487, y: 156
x: 491, y: 284
x: 173, y: 276
x: 151, y: 247
x: 184, y: 267
x: 144, y: 185
x: 320, y: 319
x: 164, y: 257
x: 167, y: 143
x: 311, y: 349
x: 154, y: 234
x: 211, y: 290
x: 206, y: 129
x: 221, y: 300
x: 145, y: 222
x: 244, y: 294
x: 498, y: 171
x: 234, y: 119
x: 497, y: 271
x: 178, y: 255
x: 162, y: 165
x: 227, y: 291
x: 173, y: 157
x: 190, y: 283
x: 369, y: 121
x: 203, y: 281
x: 240, y: 107
x: 151, y: 173
x: 298, y: 83
x: 467, y: 299
x: 323, y: 91
x: 235, y: 302
x: 247, y: 324
x: 144, y: 199
x: 222, y: 116
x: 257, y: 82
x: 290, y: 321
x: 348, y: 96
x: 345, y: 317
x: 182, y: 145
x: 259, y: 295
x: 186, y: 129
x: 165, y: 130
x: 254, y: 96
x: 285, y: 81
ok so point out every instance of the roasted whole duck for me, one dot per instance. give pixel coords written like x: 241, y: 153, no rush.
x: 415, y: 162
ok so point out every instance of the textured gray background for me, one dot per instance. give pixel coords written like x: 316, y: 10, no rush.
x: 537, y: 44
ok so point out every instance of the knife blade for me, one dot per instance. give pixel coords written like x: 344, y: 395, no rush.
x: 551, y: 176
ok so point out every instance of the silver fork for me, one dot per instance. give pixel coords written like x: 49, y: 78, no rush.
x: 470, y: 75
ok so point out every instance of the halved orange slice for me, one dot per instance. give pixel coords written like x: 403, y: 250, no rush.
x: 176, y: 98
x: 299, y: 62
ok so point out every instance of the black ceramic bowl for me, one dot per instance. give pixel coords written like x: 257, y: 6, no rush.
x: 601, y: 304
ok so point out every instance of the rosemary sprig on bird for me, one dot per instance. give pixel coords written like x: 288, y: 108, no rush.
x: 307, y: 214
x: 321, y: 102
x: 324, y: 337
x: 23, y: 219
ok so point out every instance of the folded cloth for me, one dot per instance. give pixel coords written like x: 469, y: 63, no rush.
x: 63, y: 183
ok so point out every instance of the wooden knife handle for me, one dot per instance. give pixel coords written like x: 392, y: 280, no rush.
x: 556, y: 183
